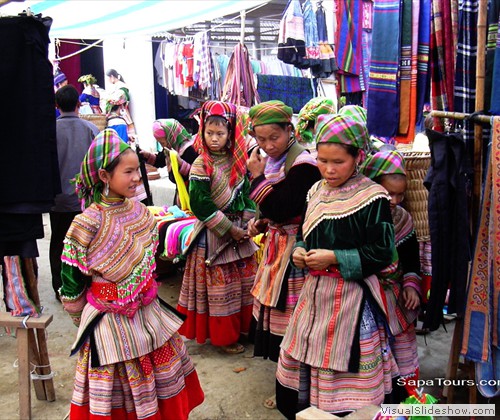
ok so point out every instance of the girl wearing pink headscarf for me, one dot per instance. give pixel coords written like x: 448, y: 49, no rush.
x: 171, y: 135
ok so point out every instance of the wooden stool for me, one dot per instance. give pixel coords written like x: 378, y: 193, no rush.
x: 28, y: 350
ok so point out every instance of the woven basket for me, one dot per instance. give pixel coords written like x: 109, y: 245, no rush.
x: 98, y: 119
x: 416, y: 196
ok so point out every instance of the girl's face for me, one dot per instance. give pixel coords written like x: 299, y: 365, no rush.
x: 335, y: 163
x: 272, y: 138
x: 396, y: 187
x: 216, y: 136
x: 126, y: 176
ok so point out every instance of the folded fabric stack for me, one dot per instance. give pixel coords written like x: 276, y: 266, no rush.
x: 175, y: 227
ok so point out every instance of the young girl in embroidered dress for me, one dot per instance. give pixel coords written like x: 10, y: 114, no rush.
x: 220, y: 267
x: 132, y: 363
x: 403, y: 297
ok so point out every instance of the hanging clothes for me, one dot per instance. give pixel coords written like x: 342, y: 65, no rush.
x: 293, y: 91
x: 349, y: 46
x: 481, y: 322
x: 239, y: 86
x: 464, y: 95
x: 448, y: 224
x: 291, y: 38
x: 495, y: 91
x: 493, y: 18
x: 383, y: 77
x: 406, y: 60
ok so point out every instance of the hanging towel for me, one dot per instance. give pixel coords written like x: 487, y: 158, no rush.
x: 481, y: 322
x: 383, y: 82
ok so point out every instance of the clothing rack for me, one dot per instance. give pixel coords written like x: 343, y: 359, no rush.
x: 453, y: 361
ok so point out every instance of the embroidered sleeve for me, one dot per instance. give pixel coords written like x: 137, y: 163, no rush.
x: 205, y: 209
x: 409, y: 258
x: 72, y: 292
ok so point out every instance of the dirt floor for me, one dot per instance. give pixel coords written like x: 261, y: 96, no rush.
x: 235, y: 385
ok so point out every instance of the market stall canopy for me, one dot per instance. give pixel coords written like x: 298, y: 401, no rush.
x: 97, y: 19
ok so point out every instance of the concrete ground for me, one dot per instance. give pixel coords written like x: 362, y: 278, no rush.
x: 235, y: 385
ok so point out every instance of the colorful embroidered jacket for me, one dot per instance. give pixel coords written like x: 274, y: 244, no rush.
x: 108, y: 285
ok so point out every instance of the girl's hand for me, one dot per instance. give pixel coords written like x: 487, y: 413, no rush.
x: 255, y: 227
x: 256, y: 163
x: 411, y: 298
x: 238, y: 234
x: 320, y: 259
x: 298, y: 257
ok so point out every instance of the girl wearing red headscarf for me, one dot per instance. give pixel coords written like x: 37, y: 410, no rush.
x: 220, y: 267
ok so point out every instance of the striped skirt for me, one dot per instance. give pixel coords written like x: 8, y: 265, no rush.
x: 216, y: 299
x: 300, y: 385
x: 160, y: 385
x: 270, y: 322
x: 405, y: 350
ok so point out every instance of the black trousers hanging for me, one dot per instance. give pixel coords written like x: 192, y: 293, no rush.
x: 449, y: 225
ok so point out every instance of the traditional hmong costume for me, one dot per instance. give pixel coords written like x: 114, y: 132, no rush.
x: 281, y: 198
x: 335, y: 354
x: 404, y: 345
x: 219, y: 273
x: 132, y: 363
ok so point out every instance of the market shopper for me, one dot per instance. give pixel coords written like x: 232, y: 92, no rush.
x: 279, y: 185
x: 132, y: 363
x: 335, y: 354
x: 90, y: 94
x: 172, y: 136
x: 73, y: 136
x: 120, y: 92
x: 402, y: 292
x: 220, y: 266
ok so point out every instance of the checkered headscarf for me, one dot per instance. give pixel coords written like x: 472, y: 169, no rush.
x: 175, y: 134
x: 386, y: 162
x: 270, y: 112
x: 105, y: 148
x: 236, y: 143
x: 310, y: 112
x: 341, y: 129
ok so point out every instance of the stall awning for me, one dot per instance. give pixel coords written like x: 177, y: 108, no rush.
x: 96, y: 19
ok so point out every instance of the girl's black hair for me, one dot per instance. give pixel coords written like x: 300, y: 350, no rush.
x: 114, y: 73
x: 112, y: 166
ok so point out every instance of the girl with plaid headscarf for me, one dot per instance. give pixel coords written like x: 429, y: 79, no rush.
x: 132, y: 363
x: 172, y: 136
x: 220, y: 266
x: 335, y: 354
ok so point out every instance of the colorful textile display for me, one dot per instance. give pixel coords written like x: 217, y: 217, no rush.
x: 383, y: 82
x: 481, y: 334
x: 349, y: 47
x: 294, y: 91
